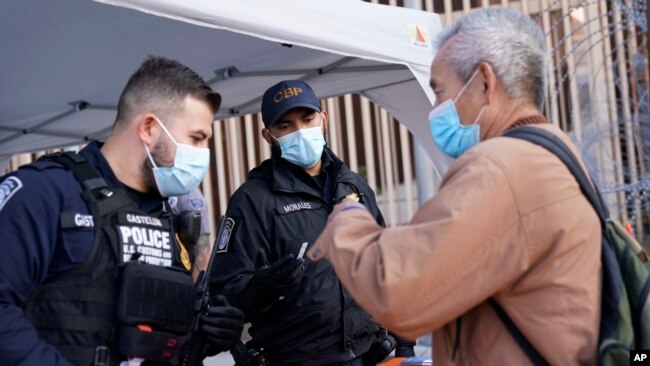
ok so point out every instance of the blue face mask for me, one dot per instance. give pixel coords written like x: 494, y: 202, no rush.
x: 190, y: 165
x: 451, y: 136
x: 303, y: 147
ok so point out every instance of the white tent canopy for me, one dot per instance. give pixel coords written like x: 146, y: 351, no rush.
x: 64, y: 62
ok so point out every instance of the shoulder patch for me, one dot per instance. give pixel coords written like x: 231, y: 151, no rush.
x: 8, y: 188
x: 224, y: 240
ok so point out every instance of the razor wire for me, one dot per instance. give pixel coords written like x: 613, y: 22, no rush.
x: 625, y: 187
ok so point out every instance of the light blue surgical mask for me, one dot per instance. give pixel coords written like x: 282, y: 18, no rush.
x: 190, y: 165
x: 451, y: 136
x: 303, y: 147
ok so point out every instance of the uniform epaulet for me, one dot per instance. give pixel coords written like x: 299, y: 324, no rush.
x: 94, y: 189
x: 41, y: 165
x: 79, y: 166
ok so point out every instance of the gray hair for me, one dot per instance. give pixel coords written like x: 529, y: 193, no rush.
x: 159, y: 86
x: 508, y: 40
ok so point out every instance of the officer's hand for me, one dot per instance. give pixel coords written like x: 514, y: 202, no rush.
x: 222, y: 326
x: 404, y: 351
x: 405, y: 348
x: 280, y: 278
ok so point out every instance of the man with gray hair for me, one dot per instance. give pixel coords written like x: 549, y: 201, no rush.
x: 509, y: 234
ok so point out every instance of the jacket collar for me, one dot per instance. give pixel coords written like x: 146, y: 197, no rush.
x: 288, y: 177
x: 498, y: 129
x: 147, y: 202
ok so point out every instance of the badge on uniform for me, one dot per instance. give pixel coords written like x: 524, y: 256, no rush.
x: 353, y: 196
x: 224, y: 239
x: 10, y: 186
x: 185, y: 256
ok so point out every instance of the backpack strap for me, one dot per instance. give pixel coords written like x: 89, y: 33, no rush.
x: 554, y: 145
x: 521, y: 340
x: 558, y: 148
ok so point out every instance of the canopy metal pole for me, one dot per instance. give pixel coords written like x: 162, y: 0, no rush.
x: 32, y: 129
x: 20, y: 131
x: 232, y: 71
x: 310, y: 75
x: 425, y: 177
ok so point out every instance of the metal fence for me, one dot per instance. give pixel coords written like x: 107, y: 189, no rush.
x: 598, y: 88
x: 598, y: 92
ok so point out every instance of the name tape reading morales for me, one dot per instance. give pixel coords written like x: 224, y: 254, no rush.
x: 298, y: 206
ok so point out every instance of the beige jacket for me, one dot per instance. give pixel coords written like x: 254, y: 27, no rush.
x: 508, y: 222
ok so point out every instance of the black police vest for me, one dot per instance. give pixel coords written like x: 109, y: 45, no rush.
x: 76, y: 311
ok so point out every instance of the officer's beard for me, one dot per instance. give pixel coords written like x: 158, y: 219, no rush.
x: 160, y: 154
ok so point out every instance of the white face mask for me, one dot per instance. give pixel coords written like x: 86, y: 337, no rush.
x: 190, y: 165
x: 303, y: 147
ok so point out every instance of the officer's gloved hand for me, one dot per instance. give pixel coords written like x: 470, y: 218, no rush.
x: 280, y: 278
x: 404, y: 348
x: 222, y: 326
x: 381, y: 349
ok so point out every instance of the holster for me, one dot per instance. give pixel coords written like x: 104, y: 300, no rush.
x: 380, y: 350
x: 248, y: 356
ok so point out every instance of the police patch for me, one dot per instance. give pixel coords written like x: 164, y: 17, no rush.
x: 224, y: 239
x: 10, y: 186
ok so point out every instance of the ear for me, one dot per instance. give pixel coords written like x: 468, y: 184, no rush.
x: 326, y: 118
x: 146, y: 129
x: 266, y: 135
x: 489, y: 81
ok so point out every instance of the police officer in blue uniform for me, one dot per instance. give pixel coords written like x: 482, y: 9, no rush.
x: 299, y: 311
x: 90, y: 270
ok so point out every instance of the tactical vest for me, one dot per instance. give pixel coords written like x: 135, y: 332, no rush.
x: 83, y: 312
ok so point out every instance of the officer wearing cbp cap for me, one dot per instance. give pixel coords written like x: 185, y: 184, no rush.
x: 90, y: 270
x: 299, y: 312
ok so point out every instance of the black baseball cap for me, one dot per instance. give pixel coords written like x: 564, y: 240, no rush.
x: 286, y: 95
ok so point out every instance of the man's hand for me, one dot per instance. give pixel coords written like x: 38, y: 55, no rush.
x: 280, y: 278
x: 345, y: 205
x: 222, y: 326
